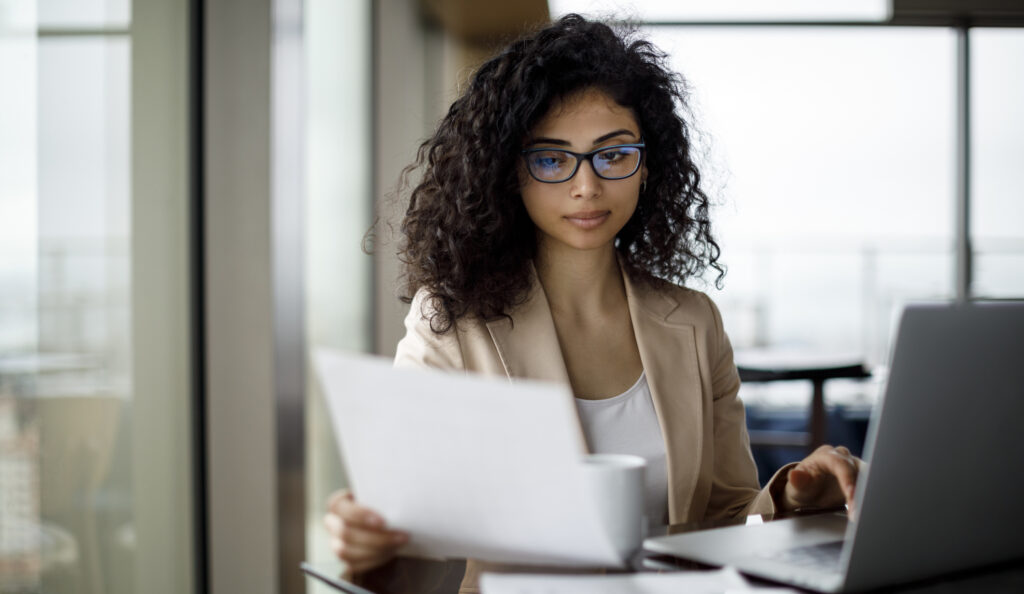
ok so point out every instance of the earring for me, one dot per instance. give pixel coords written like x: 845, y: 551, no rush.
x: 643, y: 186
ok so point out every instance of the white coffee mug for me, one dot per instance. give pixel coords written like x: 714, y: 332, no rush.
x: 616, y: 484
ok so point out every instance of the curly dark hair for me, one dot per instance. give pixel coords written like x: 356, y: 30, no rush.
x: 468, y: 240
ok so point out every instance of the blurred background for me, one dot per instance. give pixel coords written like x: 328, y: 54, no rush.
x: 184, y: 191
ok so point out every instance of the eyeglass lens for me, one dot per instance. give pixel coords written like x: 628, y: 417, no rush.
x: 556, y: 165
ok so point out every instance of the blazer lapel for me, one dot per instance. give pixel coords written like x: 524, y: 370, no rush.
x: 668, y: 350
x: 528, y: 344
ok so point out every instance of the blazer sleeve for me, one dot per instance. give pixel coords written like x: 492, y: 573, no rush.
x: 421, y: 346
x: 734, y: 489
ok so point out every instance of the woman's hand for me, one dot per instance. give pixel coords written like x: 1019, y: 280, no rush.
x: 826, y: 478
x: 358, y: 534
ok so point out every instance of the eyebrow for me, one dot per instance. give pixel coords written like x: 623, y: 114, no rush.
x: 560, y: 142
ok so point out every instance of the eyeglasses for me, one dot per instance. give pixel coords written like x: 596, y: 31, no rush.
x: 552, y: 166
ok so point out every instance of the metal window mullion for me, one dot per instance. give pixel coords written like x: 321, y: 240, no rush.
x: 242, y: 548
x: 287, y: 207
x: 197, y: 262
x: 963, y: 164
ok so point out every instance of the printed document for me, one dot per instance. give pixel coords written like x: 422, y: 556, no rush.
x: 470, y: 467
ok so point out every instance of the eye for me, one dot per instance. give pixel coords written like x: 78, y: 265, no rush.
x: 548, y: 159
x: 614, y: 155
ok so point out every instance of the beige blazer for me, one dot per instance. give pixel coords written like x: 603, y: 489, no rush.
x: 689, y: 365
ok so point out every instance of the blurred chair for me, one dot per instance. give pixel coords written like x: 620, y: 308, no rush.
x: 76, y: 440
x: 29, y: 548
x: 773, y: 366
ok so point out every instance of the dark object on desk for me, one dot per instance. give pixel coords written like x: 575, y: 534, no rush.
x: 765, y: 367
x: 331, y: 575
x: 399, y: 576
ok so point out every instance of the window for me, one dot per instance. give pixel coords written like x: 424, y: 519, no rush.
x: 997, y: 152
x: 831, y: 152
x: 95, y: 391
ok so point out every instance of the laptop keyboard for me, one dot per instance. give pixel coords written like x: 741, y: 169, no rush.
x: 823, y: 557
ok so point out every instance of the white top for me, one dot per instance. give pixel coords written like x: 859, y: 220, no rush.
x: 627, y: 424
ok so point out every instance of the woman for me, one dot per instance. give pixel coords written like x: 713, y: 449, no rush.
x: 559, y: 213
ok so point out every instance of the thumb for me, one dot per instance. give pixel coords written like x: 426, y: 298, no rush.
x: 800, y: 479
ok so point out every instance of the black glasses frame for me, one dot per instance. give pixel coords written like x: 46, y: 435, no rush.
x: 581, y: 157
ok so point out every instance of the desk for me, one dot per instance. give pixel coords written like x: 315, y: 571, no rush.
x: 408, y: 575
x: 773, y: 366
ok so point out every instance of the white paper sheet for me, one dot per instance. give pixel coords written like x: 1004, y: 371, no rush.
x: 725, y: 580
x: 475, y: 468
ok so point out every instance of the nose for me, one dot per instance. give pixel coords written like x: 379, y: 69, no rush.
x: 586, y: 183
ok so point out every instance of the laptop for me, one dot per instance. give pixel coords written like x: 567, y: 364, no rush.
x: 942, y: 490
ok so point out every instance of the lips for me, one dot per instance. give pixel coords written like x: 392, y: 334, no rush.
x: 588, y: 219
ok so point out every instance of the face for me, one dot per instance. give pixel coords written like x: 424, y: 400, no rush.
x: 585, y: 212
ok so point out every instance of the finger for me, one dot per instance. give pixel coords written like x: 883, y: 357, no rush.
x: 338, y: 497
x: 843, y: 466
x: 337, y: 527
x: 352, y: 553
x: 850, y: 490
x: 814, y: 482
x: 360, y: 558
x: 333, y: 523
x: 800, y: 479
x: 351, y: 513
x: 822, y: 462
x: 812, y: 465
x: 378, y: 539
x: 343, y: 504
x: 804, y: 488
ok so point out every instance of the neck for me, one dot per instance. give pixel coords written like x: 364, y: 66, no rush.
x: 580, y: 282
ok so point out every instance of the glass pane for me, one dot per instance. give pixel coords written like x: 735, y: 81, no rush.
x: 19, y: 501
x: 997, y: 178
x: 18, y: 257
x: 339, y: 212
x: 79, y: 14
x: 81, y: 390
x: 75, y: 373
x: 831, y: 154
